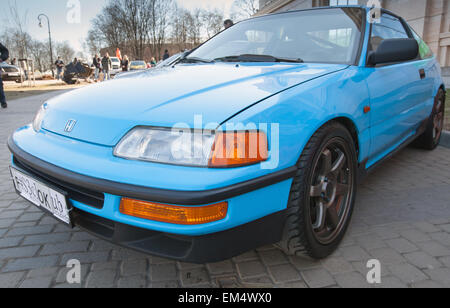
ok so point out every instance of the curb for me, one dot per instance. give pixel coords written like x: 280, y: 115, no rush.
x: 445, y: 139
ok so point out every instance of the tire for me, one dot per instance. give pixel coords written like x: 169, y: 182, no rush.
x: 431, y: 138
x: 302, y: 232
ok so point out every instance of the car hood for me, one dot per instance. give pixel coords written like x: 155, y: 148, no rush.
x: 172, y: 96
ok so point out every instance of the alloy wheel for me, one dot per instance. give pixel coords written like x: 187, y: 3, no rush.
x: 331, y: 191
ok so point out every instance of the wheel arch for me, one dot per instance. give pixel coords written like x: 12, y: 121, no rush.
x: 351, y: 127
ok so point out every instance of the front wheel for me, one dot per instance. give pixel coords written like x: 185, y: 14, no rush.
x: 322, y: 195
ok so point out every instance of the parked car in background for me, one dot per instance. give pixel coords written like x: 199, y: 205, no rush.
x: 138, y: 65
x: 11, y: 72
x: 259, y: 136
x: 116, y: 66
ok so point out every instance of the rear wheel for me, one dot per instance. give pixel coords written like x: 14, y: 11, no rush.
x: 431, y: 138
x: 322, y: 195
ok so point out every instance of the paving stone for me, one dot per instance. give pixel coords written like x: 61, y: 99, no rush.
x: 387, y: 256
x: 370, y: 241
x: 441, y: 237
x: 43, y: 272
x: 86, y: 257
x: 165, y: 284
x: 445, y: 261
x: 194, y: 277
x: 273, y: 257
x: 29, y: 230
x: 60, y: 248
x: 302, y: 263
x: 434, y: 249
x: 391, y: 282
x: 30, y: 263
x: 6, y: 223
x: 351, y: 280
x: 37, y: 283
x: 422, y: 260
x: 251, y: 269
x: 134, y: 267
x: 446, y: 228
x: 101, y: 279
x: 105, y: 265
x: 46, y: 238
x: 415, y: 236
x: 355, y: 253
x: 318, y: 278
x: 31, y: 217
x: 401, y: 245
x: 426, y: 227
x: 221, y: 268
x: 11, y: 280
x: 284, y: 273
x: 163, y: 272
x: 440, y: 275
x: 127, y: 254
x: 337, y: 265
x: 18, y: 252
x: 407, y: 273
x: 426, y: 284
x: 132, y: 282
x: 10, y: 242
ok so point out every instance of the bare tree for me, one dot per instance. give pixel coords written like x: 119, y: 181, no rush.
x: 245, y: 8
x: 65, y: 51
x: 212, y: 22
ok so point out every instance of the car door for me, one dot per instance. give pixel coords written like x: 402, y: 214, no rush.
x: 397, y: 93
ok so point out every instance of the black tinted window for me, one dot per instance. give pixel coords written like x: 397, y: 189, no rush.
x: 389, y: 27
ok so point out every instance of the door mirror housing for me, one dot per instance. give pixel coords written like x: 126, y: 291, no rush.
x: 394, y: 50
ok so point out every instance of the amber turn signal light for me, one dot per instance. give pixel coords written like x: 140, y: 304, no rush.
x: 179, y: 215
x: 234, y: 149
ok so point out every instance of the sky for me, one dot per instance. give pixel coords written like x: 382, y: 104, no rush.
x: 67, y: 25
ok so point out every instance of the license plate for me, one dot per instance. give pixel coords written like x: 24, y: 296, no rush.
x: 42, y: 195
x: 12, y: 74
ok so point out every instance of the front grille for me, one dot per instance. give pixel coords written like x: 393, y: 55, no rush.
x: 76, y: 193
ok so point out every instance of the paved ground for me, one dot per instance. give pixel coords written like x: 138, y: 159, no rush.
x: 402, y: 219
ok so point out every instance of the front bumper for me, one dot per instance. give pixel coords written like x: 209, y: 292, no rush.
x: 255, y: 217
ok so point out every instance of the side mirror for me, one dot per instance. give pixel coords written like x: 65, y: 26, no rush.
x: 395, y: 50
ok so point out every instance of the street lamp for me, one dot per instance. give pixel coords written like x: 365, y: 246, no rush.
x: 49, y: 39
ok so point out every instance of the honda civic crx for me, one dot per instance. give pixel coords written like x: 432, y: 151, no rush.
x: 258, y: 136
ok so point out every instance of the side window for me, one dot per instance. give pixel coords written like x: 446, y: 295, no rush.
x: 424, y: 51
x: 389, y: 27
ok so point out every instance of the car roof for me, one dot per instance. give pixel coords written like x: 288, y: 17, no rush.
x: 325, y: 8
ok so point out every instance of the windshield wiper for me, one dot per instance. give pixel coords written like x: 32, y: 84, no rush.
x: 258, y: 58
x: 195, y: 60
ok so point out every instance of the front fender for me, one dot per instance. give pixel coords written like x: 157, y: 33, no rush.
x: 299, y: 112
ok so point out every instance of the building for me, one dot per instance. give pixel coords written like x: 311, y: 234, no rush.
x: 429, y: 18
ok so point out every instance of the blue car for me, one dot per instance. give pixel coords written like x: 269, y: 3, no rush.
x: 259, y: 136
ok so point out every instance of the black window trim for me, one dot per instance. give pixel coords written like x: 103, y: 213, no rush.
x: 408, y: 32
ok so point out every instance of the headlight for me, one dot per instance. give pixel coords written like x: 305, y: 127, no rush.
x: 37, y: 122
x: 194, y: 148
x: 170, y: 146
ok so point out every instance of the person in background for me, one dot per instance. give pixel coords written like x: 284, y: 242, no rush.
x: 166, y: 55
x: 4, y: 55
x: 97, y: 67
x: 106, y: 67
x: 228, y: 23
x: 14, y: 62
x: 59, y: 68
x: 153, y: 62
x: 125, y: 64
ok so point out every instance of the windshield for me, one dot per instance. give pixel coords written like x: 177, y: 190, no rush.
x: 115, y: 60
x: 323, y: 36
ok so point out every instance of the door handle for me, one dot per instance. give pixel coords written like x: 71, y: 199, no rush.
x: 422, y: 73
